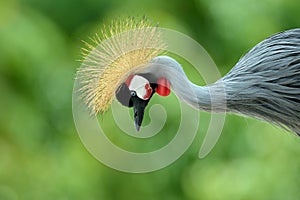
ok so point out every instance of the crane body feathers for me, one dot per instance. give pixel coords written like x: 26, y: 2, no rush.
x: 265, y: 83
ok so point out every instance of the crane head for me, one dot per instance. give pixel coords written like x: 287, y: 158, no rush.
x: 137, y: 91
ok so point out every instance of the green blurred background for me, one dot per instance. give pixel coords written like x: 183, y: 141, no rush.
x: 41, y: 155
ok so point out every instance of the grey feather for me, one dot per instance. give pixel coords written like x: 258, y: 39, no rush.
x: 265, y: 83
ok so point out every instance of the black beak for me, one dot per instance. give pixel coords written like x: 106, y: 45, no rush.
x: 138, y: 110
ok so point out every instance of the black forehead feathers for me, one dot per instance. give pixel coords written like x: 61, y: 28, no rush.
x: 123, y: 95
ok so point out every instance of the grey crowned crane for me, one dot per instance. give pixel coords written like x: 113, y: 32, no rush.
x: 265, y: 83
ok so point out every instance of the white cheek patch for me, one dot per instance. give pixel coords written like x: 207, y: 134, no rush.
x: 141, y: 86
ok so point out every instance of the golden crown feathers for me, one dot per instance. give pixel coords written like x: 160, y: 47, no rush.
x: 123, y: 48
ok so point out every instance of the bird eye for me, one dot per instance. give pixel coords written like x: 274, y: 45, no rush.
x: 132, y: 93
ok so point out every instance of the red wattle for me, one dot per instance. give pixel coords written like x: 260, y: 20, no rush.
x: 163, y: 87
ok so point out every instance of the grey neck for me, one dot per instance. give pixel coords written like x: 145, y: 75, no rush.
x: 209, y: 98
